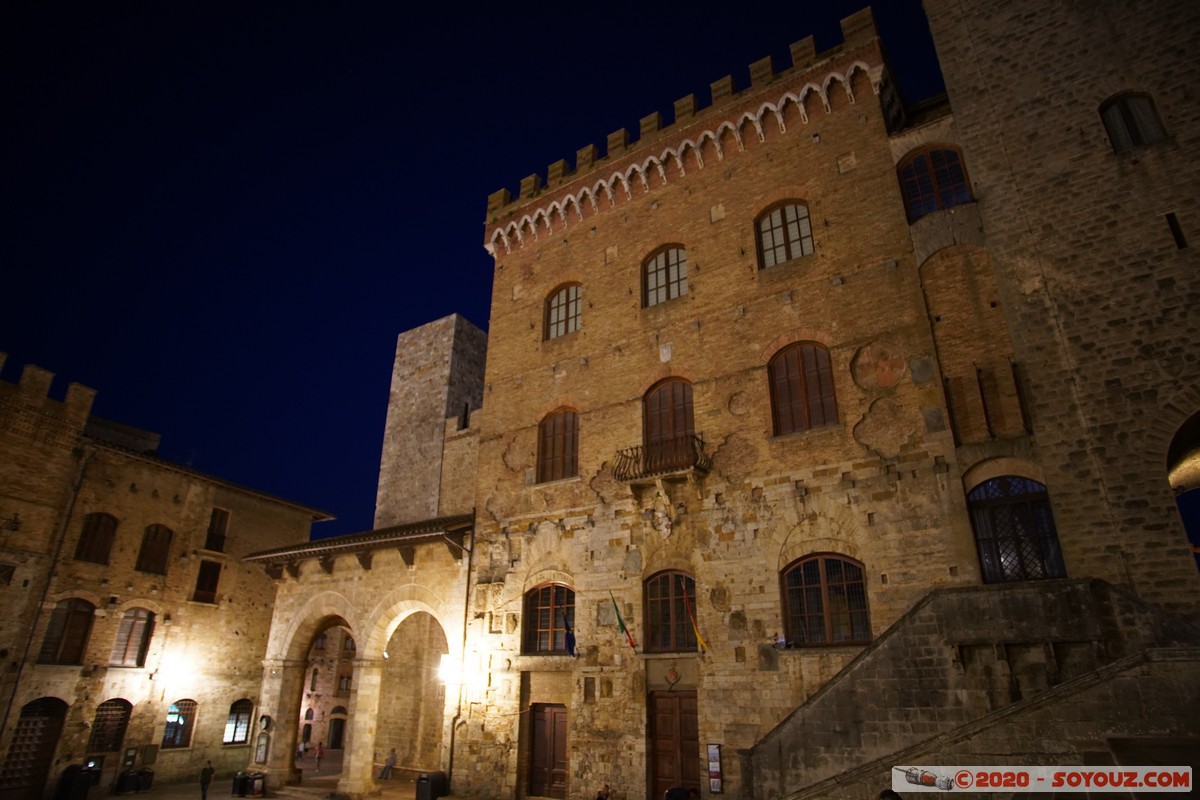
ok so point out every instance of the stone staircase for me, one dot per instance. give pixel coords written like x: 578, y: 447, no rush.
x: 1008, y: 674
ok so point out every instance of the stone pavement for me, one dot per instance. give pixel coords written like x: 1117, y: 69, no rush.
x: 315, y: 785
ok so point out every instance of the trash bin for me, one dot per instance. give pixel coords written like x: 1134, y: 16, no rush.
x: 432, y: 785
x: 239, y: 785
x: 255, y: 784
x: 74, y: 783
x: 127, y: 782
x: 145, y: 779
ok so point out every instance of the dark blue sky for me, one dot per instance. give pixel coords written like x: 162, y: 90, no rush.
x: 219, y: 215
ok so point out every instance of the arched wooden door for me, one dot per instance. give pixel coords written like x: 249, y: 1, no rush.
x: 668, y: 428
x: 35, y: 738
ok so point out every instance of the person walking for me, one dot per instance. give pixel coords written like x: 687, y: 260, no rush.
x: 386, y: 772
x: 206, y: 776
x: 320, y: 753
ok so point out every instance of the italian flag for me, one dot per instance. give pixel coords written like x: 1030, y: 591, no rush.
x: 621, y: 623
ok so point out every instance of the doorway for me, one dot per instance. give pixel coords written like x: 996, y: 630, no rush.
x: 548, y: 754
x: 674, y: 741
x: 31, y: 752
x: 337, y: 733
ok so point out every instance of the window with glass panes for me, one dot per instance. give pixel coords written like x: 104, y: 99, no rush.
x: 237, y: 724
x: 784, y: 233
x: 670, y: 607
x: 664, y: 276
x: 564, y: 311
x: 558, y: 446
x: 802, y: 395
x: 181, y: 720
x: 931, y: 180
x: 825, y: 602
x: 1014, y: 530
x: 549, y: 615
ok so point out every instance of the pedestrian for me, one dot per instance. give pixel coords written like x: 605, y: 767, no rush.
x: 386, y: 772
x: 206, y: 776
x: 604, y: 794
x: 320, y: 753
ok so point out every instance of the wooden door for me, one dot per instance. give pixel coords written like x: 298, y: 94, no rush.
x: 548, y: 757
x: 31, y: 752
x: 669, y: 426
x: 674, y: 742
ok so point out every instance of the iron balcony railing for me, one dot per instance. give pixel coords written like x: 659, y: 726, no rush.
x: 669, y: 455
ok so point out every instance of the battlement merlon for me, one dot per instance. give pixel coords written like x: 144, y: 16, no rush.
x: 33, y: 389
x: 859, y: 36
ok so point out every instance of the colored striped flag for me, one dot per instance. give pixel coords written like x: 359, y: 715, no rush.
x: 621, y: 623
x: 692, y: 616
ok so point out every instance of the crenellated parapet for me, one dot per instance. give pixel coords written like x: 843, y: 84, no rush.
x: 776, y: 103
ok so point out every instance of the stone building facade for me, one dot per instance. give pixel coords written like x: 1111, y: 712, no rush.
x: 817, y: 436
x: 135, y: 633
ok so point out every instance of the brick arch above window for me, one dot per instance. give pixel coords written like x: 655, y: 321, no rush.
x: 802, y: 388
x: 563, y: 311
x: 783, y: 232
x: 1004, y: 465
x: 931, y: 179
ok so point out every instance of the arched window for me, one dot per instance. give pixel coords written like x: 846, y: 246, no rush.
x: 550, y: 620
x: 237, y: 725
x: 670, y: 613
x: 109, y: 725
x: 181, y: 720
x: 802, y: 395
x: 784, y: 233
x: 558, y: 446
x: 1131, y: 121
x: 668, y: 428
x: 96, y: 540
x: 348, y: 644
x: 133, y: 639
x: 664, y: 275
x: 933, y: 179
x: 1014, y: 530
x: 309, y: 715
x: 312, y: 682
x: 67, y: 633
x: 564, y: 311
x: 825, y: 602
x: 156, y: 547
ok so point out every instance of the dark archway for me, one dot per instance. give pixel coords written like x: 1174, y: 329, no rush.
x: 31, y: 753
x: 412, y: 698
x: 328, y: 676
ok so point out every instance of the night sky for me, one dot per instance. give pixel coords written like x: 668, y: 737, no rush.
x: 220, y: 215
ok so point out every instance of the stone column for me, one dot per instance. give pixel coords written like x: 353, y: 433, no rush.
x: 358, y: 776
x: 283, y: 685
